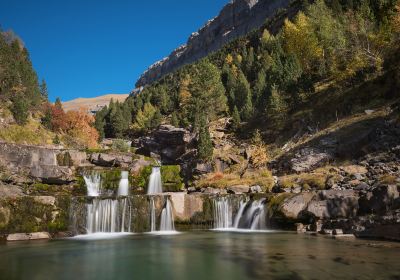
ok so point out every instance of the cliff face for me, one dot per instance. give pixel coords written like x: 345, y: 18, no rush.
x: 236, y: 19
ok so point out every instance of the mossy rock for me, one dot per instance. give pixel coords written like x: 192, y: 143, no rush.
x: 170, y: 174
x: 171, y: 178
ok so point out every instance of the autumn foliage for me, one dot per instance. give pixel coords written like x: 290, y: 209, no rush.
x: 76, y: 125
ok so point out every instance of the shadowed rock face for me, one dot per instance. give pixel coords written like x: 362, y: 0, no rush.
x: 236, y: 19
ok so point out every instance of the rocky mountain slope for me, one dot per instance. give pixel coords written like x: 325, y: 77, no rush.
x: 93, y: 104
x: 236, y: 19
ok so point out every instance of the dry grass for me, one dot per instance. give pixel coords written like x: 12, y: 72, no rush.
x: 315, y: 180
x: 261, y: 177
x: 388, y: 180
x: 32, y: 134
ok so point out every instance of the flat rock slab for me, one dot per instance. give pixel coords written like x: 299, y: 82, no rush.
x: 28, y: 236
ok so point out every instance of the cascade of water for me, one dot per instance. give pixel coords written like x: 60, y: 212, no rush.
x: 239, y: 214
x: 222, y: 213
x: 155, y: 186
x: 167, y: 217
x: 123, y: 188
x: 251, y: 214
x: 93, y: 183
x: 152, y: 214
x: 107, y: 215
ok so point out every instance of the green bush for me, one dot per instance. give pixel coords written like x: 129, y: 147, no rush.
x: 121, y: 145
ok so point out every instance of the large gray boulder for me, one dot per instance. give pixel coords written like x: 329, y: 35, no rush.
x: 111, y: 159
x: 169, y: 142
x: 294, y: 206
x: 308, y: 159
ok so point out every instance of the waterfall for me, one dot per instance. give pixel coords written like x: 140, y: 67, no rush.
x: 108, y: 215
x: 251, y: 214
x: 152, y: 214
x: 123, y: 188
x: 239, y: 214
x: 222, y: 213
x: 167, y: 217
x: 93, y: 183
x: 155, y: 186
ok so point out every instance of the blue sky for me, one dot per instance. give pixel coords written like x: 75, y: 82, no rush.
x: 86, y: 48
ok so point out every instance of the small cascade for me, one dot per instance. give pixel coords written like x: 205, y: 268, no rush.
x: 251, y: 214
x: 155, y: 185
x: 108, y: 215
x: 239, y: 214
x: 93, y: 183
x: 222, y: 213
x: 152, y: 215
x: 123, y: 188
x: 167, y: 217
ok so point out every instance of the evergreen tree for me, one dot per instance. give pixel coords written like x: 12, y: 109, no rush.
x: 58, y: 103
x: 117, y: 122
x: 205, y: 147
x: 43, y: 90
x: 19, y: 110
x: 47, y: 119
x: 235, y: 118
x: 174, y: 120
x: 247, y: 110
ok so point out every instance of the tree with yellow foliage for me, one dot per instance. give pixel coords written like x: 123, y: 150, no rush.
x: 299, y: 39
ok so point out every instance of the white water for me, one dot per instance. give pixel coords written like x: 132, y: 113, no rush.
x: 155, y: 185
x: 93, y: 184
x: 250, y: 216
x: 167, y: 217
x: 222, y: 213
x: 152, y: 215
x: 123, y: 188
x: 108, y: 215
x: 239, y: 214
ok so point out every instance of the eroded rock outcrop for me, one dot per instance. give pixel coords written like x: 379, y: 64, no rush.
x: 236, y: 19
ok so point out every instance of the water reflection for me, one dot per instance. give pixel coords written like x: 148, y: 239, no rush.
x: 201, y: 255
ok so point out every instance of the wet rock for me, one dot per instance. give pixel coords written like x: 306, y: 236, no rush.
x: 337, y: 231
x: 28, y: 236
x: 300, y: 228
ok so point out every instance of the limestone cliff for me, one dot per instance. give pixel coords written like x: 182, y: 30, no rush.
x: 236, y: 19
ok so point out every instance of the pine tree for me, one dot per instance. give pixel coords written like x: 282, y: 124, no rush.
x: 174, y: 120
x: 19, y: 110
x: 117, y: 123
x: 205, y: 147
x: 58, y: 103
x: 43, y: 90
x: 247, y: 110
x: 235, y: 118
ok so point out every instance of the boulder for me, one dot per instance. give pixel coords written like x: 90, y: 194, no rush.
x: 28, y: 236
x: 293, y: 206
x: 238, y: 189
x: 111, y: 159
x: 169, y: 142
x: 51, y: 174
x: 72, y: 158
x: 255, y: 189
x: 308, y: 159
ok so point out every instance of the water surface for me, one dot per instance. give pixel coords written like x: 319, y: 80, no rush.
x: 201, y: 255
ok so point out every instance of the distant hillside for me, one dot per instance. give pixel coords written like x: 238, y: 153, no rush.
x: 93, y: 104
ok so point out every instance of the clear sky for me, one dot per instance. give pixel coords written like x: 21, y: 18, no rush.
x: 86, y: 48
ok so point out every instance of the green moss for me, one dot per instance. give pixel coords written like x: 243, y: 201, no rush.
x: 171, y: 178
x: 27, y: 215
x: 141, y: 180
